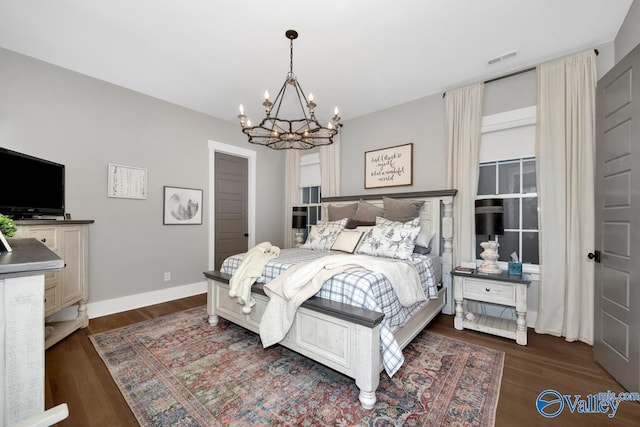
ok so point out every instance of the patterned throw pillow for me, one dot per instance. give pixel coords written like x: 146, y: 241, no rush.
x: 389, y: 241
x: 415, y: 222
x: 340, y: 223
x: 423, y: 241
x: 321, y: 237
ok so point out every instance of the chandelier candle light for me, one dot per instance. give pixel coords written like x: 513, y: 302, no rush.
x: 281, y: 134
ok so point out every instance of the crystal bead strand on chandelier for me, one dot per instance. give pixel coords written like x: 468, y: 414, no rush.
x: 302, y: 133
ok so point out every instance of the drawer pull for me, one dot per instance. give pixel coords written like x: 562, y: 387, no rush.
x: 487, y: 289
x: 43, y: 240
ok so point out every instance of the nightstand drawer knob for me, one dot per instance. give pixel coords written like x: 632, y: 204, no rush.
x: 43, y: 240
x: 487, y: 289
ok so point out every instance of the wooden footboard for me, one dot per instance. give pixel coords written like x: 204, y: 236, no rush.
x: 342, y: 337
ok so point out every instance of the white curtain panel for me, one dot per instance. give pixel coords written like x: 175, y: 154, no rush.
x: 463, y: 117
x: 565, y: 147
x: 292, y: 193
x: 330, y: 168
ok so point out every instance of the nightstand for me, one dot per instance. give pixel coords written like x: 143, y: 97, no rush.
x: 501, y: 289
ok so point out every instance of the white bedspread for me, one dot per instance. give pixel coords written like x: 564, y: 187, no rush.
x: 302, y: 281
x: 360, y: 288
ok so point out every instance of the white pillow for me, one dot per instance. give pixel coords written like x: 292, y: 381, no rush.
x: 389, y: 241
x: 347, y: 241
x: 321, y: 237
x: 424, y: 238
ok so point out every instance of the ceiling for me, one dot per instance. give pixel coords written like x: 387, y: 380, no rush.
x: 362, y: 55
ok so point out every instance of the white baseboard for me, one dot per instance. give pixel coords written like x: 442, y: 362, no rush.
x: 131, y: 302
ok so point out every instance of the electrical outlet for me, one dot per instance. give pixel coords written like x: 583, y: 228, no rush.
x: 167, y: 276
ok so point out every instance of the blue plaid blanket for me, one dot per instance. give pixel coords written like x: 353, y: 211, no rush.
x: 365, y: 289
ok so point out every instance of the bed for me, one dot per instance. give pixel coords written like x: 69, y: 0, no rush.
x: 355, y: 335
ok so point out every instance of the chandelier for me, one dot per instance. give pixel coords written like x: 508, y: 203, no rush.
x: 281, y: 134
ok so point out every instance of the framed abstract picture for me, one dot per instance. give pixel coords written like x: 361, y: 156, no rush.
x: 182, y: 206
x: 389, y: 167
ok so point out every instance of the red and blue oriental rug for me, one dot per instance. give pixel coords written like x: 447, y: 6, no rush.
x: 177, y: 370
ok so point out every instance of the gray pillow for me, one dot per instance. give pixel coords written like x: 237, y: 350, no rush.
x: 422, y: 250
x: 401, y: 210
x: 339, y: 212
x: 353, y: 223
x: 367, y: 212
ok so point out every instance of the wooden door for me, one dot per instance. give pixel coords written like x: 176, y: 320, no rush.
x: 231, y: 201
x: 617, y: 216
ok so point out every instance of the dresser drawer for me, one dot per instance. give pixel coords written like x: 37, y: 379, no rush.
x: 50, y: 300
x: 494, y: 292
x: 46, y: 235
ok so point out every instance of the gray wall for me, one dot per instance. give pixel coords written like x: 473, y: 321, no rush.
x: 420, y: 122
x: 628, y: 36
x: 84, y: 123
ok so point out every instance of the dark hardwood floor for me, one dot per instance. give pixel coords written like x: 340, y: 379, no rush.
x: 75, y: 374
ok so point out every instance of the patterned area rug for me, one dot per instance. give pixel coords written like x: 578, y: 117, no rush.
x: 177, y: 370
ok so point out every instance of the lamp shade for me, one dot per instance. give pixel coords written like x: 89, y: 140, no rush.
x: 299, y: 219
x: 490, y: 216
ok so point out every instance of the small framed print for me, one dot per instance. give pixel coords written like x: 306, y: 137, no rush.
x: 389, y: 167
x: 182, y: 206
x: 127, y: 182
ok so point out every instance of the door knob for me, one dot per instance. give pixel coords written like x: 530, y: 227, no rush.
x: 595, y: 255
x: 246, y: 234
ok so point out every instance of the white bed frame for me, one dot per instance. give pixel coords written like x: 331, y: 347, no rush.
x: 343, y: 337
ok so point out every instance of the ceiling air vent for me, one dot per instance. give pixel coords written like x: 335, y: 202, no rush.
x: 503, y: 57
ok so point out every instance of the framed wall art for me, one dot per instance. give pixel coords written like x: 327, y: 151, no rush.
x: 127, y: 182
x: 182, y: 206
x: 389, y: 167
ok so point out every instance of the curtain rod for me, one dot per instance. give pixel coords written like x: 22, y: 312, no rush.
x: 515, y: 73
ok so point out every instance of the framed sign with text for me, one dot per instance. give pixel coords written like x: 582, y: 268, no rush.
x: 389, y: 167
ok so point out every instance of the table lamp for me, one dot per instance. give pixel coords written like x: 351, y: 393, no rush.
x: 489, y: 221
x: 298, y: 222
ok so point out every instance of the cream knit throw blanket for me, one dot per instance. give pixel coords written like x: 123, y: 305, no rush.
x: 302, y: 281
x: 250, y: 270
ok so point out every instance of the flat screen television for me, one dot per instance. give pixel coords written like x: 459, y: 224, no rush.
x: 30, y: 186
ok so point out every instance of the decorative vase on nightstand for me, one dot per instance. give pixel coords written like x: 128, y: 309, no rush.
x: 489, y: 221
x: 490, y: 257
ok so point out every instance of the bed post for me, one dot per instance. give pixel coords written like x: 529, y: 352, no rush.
x: 447, y: 251
x: 213, y: 317
x: 367, y: 369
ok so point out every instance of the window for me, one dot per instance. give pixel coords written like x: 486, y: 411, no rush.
x: 514, y: 181
x: 311, y: 197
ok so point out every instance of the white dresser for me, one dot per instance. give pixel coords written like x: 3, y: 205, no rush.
x: 22, y: 282
x: 70, y: 241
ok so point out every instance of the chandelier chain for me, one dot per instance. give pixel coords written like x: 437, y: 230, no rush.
x: 291, y: 56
